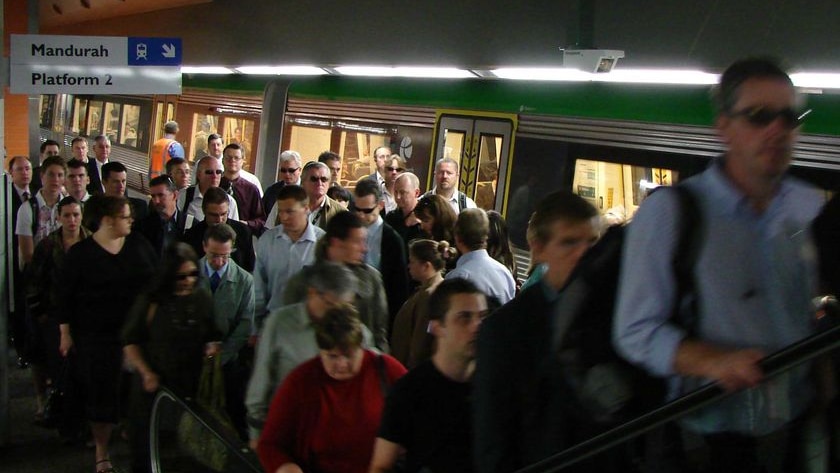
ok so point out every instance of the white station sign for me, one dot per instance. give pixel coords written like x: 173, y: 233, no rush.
x: 45, y: 64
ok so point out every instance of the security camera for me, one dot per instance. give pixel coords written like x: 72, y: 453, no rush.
x: 591, y: 60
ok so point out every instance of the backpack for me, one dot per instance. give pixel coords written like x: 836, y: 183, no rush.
x: 606, y: 389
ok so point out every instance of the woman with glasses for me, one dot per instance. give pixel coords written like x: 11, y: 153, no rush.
x: 326, y: 414
x: 101, y: 277
x: 168, y: 332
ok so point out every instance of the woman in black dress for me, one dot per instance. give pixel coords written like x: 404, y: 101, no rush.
x: 101, y: 278
x: 169, y: 331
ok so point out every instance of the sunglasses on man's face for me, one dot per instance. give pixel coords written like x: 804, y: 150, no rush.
x: 288, y: 170
x: 323, y: 179
x: 210, y: 172
x: 365, y: 211
x: 393, y: 169
x: 762, y: 116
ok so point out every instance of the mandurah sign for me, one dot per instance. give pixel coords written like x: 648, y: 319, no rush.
x: 47, y: 64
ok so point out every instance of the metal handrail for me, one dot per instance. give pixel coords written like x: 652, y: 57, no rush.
x: 772, y: 365
x: 231, y: 443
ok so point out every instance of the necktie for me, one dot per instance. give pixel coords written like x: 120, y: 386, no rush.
x: 214, y: 281
x: 25, y: 196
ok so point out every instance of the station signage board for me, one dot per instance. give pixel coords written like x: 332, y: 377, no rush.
x: 50, y: 64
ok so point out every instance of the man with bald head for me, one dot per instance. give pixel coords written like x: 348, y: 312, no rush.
x: 403, y: 220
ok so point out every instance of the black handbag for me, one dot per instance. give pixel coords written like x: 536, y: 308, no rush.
x: 54, y: 406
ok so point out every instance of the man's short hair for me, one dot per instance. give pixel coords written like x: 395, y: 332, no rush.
x: 339, y: 193
x: 222, y: 233
x: 399, y: 159
x: 163, y: 180
x: 49, y: 143
x: 290, y: 155
x: 77, y: 139
x: 368, y: 186
x: 76, y: 164
x: 473, y: 228
x: 328, y: 156
x: 411, y: 177
x: 172, y: 163
x: 170, y: 127
x: 112, y: 167
x: 214, y: 196
x: 562, y: 205
x: 15, y: 158
x: 291, y: 191
x: 232, y: 146
x: 446, y: 161
x: 310, y: 166
x: 55, y: 161
x: 340, y: 226
x: 725, y: 94
x: 212, y: 137
x: 69, y: 200
x: 335, y: 278
x: 439, y: 301
x: 101, y: 139
x: 340, y: 328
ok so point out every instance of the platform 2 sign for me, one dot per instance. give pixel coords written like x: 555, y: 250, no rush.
x: 48, y: 64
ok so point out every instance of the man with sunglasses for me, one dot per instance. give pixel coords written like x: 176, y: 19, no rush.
x: 393, y: 169
x: 210, y: 172
x: 385, y: 247
x: 754, y: 278
x: 316, y: 181
x: 290, y: 168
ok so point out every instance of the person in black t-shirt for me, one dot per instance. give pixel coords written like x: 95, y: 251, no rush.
x: 427, y: 413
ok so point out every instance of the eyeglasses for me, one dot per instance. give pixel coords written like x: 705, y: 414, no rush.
x: 393, y: 169
x: 210, y: 172
x: 288, y: 170
x: 761, y: 116
x: 365, y: 211
x: 323, y: 179
x: 183, y: 276
x: 222, y: 256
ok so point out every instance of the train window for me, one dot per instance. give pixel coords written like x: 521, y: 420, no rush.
x: 240, y: 131
x: 78, y: 124
x: 46, y: 107
x: 61, y: 112
x: 309, y: 141
x: 453, y: 144
x: 617, y: 190
x: 130, y: 121
x: 203, y: 126
x: 488, y: 170
x: 112, y: 121
x: 94, y: 120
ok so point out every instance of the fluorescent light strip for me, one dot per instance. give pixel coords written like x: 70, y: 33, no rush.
x: 542, y: 73
x: 282, y: 70
x: 816, y: 80
x: 205, y: 70
x: 424, y: 72
x: 657, y: 76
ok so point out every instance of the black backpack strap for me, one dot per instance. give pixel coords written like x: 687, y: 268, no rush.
x: 687, y: 252
x: 462, y: 201
x: 187, y: 199
x: 33, y: 203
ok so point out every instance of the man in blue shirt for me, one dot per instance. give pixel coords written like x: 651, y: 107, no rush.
x: 754, y: 276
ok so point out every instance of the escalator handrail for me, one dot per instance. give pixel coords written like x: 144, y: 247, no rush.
x: 783, y: 360
x: 232, y: 444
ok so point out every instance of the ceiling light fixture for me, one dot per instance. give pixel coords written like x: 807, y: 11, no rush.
x: 302, y: 70
x: 205, y: 70
x: 406, y: 71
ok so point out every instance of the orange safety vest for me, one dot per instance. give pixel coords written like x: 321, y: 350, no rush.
x: 159, y: 156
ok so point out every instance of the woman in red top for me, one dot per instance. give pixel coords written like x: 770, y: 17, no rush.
x: 325, y: 416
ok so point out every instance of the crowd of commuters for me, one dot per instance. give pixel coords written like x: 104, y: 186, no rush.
x: 317, y: 322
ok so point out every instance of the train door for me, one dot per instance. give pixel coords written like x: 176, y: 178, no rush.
x: 164, y: 111
x: 482, y: 145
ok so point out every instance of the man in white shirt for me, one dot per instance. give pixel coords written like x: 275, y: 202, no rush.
x: 77, y: 180
x: 446, y: 185
x: 79, y: 148
x: 39, y: 217
x: 380, y: 158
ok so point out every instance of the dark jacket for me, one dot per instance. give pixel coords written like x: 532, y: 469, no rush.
x: 95, y: 185
x: 244, y: 254
x: 152, y: 228
x: 394, y: 268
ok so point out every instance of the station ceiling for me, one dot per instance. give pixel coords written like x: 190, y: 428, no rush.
x: 696, y: 34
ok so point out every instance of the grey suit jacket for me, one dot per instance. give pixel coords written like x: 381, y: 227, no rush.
x: 233, y: 302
